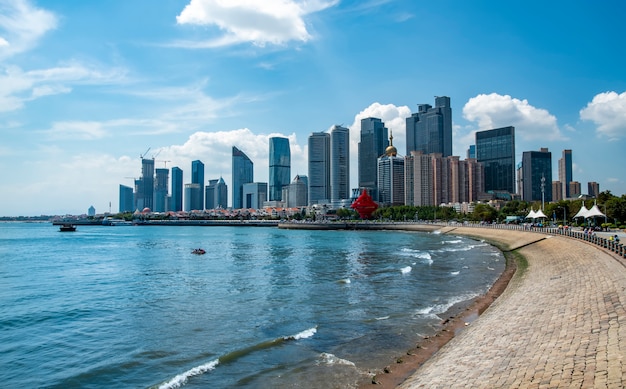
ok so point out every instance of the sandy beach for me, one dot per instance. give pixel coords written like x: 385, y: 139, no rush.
x: 555, y: 321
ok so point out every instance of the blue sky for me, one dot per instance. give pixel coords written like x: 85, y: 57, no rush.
x: 88, y: 87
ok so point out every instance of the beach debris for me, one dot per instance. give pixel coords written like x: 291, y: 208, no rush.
x: 387, y: 370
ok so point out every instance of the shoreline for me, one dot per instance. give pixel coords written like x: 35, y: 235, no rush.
x: 454, y: 321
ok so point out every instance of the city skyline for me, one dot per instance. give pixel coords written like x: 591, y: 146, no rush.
x: 87, y: 88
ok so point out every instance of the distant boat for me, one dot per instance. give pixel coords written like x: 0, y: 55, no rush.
x: 67, y: 228
x: 198, y: 251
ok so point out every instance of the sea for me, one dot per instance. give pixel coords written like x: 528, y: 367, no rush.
x: 133, y: 307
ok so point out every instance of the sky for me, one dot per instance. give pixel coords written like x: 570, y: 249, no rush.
x: 87, y: 88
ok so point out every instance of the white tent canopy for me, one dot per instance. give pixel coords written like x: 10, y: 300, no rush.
x: 584, y: 212
x: 594, y: 211
x: 535, y: 214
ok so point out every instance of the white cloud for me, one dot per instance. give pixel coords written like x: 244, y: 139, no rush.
x: 259, y: 22
x: 76, y: 130
x: 22, y: 25
x: 608, y: 111
x: 494, y: 111
x: 18, y: 87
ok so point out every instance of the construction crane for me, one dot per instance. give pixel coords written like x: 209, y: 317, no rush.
x: 164, y: 162
x: 144, y: 154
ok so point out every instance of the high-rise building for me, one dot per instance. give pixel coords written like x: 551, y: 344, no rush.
x: 298, y: 196
x: 537, y: 175
x: 254, y: 195
x: 221, y: 194
x: 243, y: 173
x: 160, y: 190
x: 280, y: 167
x: 197, y: 177
x: 575, y: 189
x: 391, y: 176
x: 145, y: 196
x: 418, y: 186
x: 565, y: 172
x: 339, y: 163
x: 593, y: 188
x: 319, y: 168
x: 176, y: 201
x: 429, y: 130
x: 210, y: 193
x: 374, y: 141
x: 126, y: 199
x: 192, y: 197
x: 557, y: 191
x: 495, y: 149
x: 471, y: 152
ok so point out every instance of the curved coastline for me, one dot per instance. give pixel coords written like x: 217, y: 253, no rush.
x: 553, y: 323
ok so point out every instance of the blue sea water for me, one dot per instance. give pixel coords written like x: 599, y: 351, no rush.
x: 131, y: 306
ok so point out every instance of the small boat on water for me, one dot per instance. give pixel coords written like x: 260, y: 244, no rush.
x: 67, y: 227
x: 198, y: 251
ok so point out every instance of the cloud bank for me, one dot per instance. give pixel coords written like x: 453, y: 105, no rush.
x: 608, y: 111
x: 274, y: 22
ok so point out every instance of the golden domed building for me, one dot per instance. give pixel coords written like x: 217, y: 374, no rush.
x: 391, y: 176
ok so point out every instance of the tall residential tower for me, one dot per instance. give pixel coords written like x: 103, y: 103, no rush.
x: 319, y: 168
x: 495, y: 149
x: 374, y: 141
x: 339, y: 163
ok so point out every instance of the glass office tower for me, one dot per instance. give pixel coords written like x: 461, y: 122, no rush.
x: 565, y: 173
x: 537, y: 175
x: 145, y: 197
x: 374, y: 141
x: 243, y: 172
x: 126, y: 199
x: 160, y: 190
x: 176, y: 203
x: 430, y: 129
x: 495, y: 149
x: 197, y: 177
x: 280, y: 167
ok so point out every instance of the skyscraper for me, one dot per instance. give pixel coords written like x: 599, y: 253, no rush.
x: 160, y: 190
x: 197, y: 177
x: 177, y: 190
x: 565, y: 172
x: 221, y: 194
x: 192, y: 197
x: 495, y: 149
x: 254, y: 194
x: 298, y: 195
x: 126, y: 199
x: 537, y: 175
x: 319, y: 167
x: 430, y: 129
x: 210, y: 194
x: 391, y: 177
x: 374, y: 141
x: 243, y: 173
x: 339, y: 163
x: 280, y: 167
x: 145, y: 196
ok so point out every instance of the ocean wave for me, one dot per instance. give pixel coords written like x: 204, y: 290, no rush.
x: 415, y: 253
x: 344, y: 281
x: 331, y: 359
x: 302, y: 335
x: 442, y: 307
x: 455, y: 273
x: 406, y: 269
x: 181, y: 379
x: 451, y: 241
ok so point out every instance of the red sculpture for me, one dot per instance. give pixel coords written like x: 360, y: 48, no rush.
x: 364, y: 205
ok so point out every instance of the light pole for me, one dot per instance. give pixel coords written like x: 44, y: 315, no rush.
x: 543, y: 185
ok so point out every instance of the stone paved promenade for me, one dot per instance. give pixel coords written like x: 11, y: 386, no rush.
x: 561, y: 323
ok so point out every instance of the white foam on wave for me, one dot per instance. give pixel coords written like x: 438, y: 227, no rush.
x: 451, y: 241
x: 303, y: 335
x: 435, y: 309
x: 455, y: 273
x: 382, y: 318
x: 182, y: 378
x: 344, y: 281
x: 330, y: 359
x: 406, y: 269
